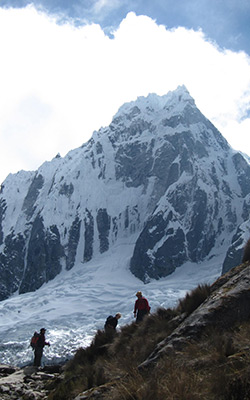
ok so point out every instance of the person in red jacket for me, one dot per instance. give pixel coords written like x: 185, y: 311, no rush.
x: 41, y: 342
x: 141, y: 307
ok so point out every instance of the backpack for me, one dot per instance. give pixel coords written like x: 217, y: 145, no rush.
x: 34, y: 340
x: 108, y: 320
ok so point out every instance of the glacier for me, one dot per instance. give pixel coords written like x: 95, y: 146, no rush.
x: 74, y: 305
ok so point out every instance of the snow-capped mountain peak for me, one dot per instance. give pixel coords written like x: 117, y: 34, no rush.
x: 161, y: 174
x: 148, y: 107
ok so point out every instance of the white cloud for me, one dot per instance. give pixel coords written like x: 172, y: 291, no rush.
x: 59, y: 83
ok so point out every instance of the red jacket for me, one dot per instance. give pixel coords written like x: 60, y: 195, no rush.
x: 141, y: 304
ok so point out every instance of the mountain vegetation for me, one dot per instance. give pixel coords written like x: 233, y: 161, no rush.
x: 198, y: 350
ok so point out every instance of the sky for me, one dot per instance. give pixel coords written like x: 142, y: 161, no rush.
x: 67, y: 66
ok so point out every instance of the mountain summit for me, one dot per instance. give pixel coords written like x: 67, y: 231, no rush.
x: 160, y: 176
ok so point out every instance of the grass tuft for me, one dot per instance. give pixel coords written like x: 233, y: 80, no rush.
x: 194, y: 299
x: 246, y: 254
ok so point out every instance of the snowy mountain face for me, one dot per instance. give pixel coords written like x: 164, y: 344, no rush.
x: 160, y: 175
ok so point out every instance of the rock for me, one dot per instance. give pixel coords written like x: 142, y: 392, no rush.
x: 56, y: 368
x: 97, y: 393
x: 28, y: 382
x: 227, y: 304
x: 7, y: 370
x: 29, y: 370
x: 4, y: 389
x: 15, y: 377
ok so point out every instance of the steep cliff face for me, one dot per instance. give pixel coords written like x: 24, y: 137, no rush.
x: 160, y: 174
x: 206, y: 196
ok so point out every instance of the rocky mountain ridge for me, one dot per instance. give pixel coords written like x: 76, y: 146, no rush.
x: 160, y: 173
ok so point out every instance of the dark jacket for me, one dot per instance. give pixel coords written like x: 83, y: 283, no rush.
x: 111, y: 322
x: 41, y: 341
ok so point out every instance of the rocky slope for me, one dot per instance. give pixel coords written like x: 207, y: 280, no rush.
x: 226, y: 306
x: 28, y: 383
x: 160, y: 173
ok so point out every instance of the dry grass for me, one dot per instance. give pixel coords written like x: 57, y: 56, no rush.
x: 215, y: 366
x: 246, y: 254
x: 85, y: 370
x: 194, y: 299
x: 169, y: 380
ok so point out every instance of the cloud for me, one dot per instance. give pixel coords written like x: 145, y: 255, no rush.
x: 60, y: 82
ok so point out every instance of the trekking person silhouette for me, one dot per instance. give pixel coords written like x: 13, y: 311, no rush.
x: 111, y: 322
x: 141, y: 307
x: 38, y: 347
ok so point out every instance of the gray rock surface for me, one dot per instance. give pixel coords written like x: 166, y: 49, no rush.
x: 27, y: 383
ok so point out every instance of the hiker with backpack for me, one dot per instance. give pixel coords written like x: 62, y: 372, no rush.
x: 111, y: 322
x: 141, y: 307
x: 37, y: 343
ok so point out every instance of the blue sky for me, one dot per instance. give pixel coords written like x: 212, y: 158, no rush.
x: 226, y: 22
x: 67, y: 66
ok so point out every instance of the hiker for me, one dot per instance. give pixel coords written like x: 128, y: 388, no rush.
x: 141, y: 307
x: 111, y: 322
x: 38, y: 348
